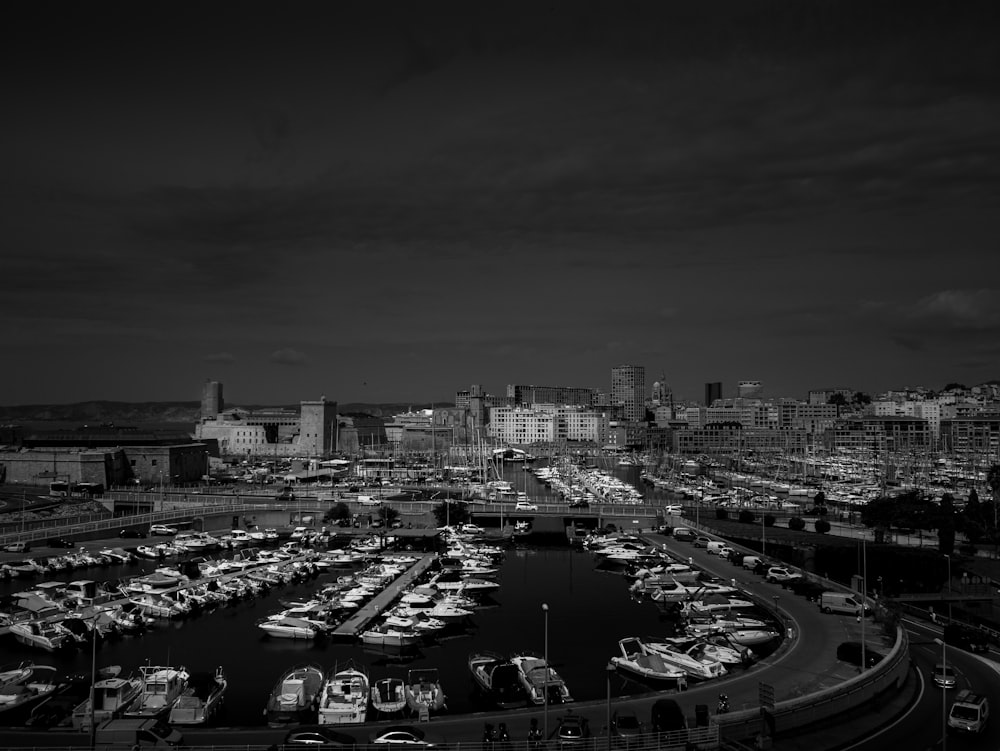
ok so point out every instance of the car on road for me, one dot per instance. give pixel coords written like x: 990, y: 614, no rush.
x: 471, y: 529
x: 673, y: 510
x: 701, y: 541
x: 367, y: 500
x: 59, y: 542
x: 781, y: 575
x: 17, y: 547
x: 525, y: 506
x: 582, y: 503
x: 572, y: 730
x: 318, y: 737
x: 944, y: 676
x: 161, y: 529
x: 751, y: 562
x: 723, y: 552
x: 405, y: 736
x: 132, y: 533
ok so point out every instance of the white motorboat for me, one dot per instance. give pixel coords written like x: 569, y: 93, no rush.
x: 201, y: 700
x: 538, y: 679
x: 388, y: 696
x: 727, y: 654
x: 161, y: 687
x: 283, y: 627
x: 714, y: 604
x: 388, y: 636
x: 41, y: 634
x: 24, y: 686
x: 697, y: 666
x: 404, y: 618
x: 640, y: 661
x: 343, y: 698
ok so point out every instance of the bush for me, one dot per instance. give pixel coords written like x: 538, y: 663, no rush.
x: 797, y: 523
x: 747, y: 517
x: 769, y: 520
x: 721, y: 513
x: 822, y: 526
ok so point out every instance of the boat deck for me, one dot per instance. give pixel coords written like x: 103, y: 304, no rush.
x: 374, y: 607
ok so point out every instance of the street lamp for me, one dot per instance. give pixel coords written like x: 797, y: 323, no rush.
x: 948, y: 594
x: 763, y: 543
x: 944, y: 700
x: 545, y: 684
x: 93, y: 680
x: 610, y: 668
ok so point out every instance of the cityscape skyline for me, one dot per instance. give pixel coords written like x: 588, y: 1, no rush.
x: 387, y: 203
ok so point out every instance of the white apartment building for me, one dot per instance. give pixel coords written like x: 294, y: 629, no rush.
x: 929, y: 410
x: 521, y: 425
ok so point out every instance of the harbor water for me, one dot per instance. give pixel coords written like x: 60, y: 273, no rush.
x: 589, y: 610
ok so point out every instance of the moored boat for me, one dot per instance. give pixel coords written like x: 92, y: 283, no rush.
x: 344, y: 696
x: 643, y: 663
x: 22, y: 687
x: 202, y: 699
x: 423, y: 691
x: 113, y: 695
x: 538, y: 679
x: 498, y: 678
x: 388, y: 696
x: 295, y: 696
x: 161, y: 687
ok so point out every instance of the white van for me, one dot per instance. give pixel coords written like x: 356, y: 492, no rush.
x: 840, y: 602
x: 714, y: 546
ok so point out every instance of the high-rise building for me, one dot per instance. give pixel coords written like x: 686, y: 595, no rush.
x: 628, y: 391
x: 713, y: 391
x: 211, y: 399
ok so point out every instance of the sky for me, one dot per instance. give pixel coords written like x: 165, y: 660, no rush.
x: 391, y: 201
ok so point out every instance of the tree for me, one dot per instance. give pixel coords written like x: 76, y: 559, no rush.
x: 337, y: 512
x: 388, y: 515
x: 769, y: 520
x: 839, y: 399
x: 860, y: 399
x: 451, y: 512
x: 822, y: 526
x: 746, y: 516
x: 797, y: 523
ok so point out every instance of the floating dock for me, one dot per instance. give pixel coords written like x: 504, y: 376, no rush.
x: 354, y: 625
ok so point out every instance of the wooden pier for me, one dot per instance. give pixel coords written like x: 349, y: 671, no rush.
x: 377, y: 605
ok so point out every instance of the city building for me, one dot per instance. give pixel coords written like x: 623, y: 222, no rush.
x: 628, y: 392
x: 521, y: 394
x: 212, y: 402
x: 713, y: 391
x: 749, y: 389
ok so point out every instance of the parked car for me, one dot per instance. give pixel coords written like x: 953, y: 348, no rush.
x: 807, y: 588
x: 161, y: 529
x: 850, y: 652
x: 525, y: 506
x: 17, y: 547
x: 626, y: 728
x: 572, y: 730
x: 471, y: 529
x: 667, y: 716
x: 580, y: 504
x: 751, y: 562
x: 132, y: 532
x: 943, y: 675
x: 60, y: 542
x: 781, y: 575
x: 318, y: 737
x: 723, y: 552
x: 701, y: 541
x: 405, y: 736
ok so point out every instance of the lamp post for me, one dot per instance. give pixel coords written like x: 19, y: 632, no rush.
x: 610, y: 668
x: 944, y: 700
x: 763, y: 543
x: 93, y: 680
x: 545, y: 683
x: 948, y: 594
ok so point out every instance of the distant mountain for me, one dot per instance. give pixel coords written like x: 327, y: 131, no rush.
x: 135, y: 413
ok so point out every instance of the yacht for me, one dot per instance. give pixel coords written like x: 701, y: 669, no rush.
x: 295, y: 696
x: 344, y: 696
x: 112, y: 697
x: 201, y: 700
x: 161, y: 688
x: 423, y: 692
x: 538, y: 679
x: 636, y: 658
x: 498, y: 678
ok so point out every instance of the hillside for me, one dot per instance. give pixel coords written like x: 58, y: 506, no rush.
x: 134, y: 413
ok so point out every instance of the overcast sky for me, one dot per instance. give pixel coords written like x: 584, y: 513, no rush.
x: 392, y: 201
